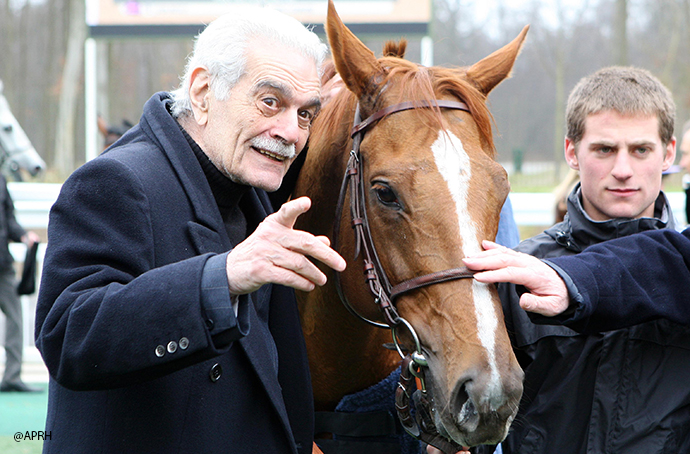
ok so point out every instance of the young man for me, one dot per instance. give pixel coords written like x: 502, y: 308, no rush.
x: 162, y: 314
x: 618, y: 391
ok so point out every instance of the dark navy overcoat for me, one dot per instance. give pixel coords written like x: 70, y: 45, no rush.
x: 120, y: 323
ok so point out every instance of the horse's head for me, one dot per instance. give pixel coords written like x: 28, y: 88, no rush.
x: 16, y: 149
x: 433, y: 191
x: 112, y: 133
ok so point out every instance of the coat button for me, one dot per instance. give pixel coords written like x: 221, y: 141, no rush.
x: 160, y: 351
x: 216, y: 372
x: 184, y: 343
x: 172, y: 347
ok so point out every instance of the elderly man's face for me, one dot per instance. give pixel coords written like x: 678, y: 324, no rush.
x: 255, y: 134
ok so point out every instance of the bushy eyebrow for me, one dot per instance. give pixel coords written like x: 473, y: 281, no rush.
x: 634, y: 144
x: 286, y: 92
x: 641, y: 143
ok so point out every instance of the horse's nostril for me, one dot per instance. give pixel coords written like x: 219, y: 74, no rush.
x: 459, y: 400
x: 467, y: 413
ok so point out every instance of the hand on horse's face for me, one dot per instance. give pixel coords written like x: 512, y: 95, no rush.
x: 548, y: 294
x: 276, y: 253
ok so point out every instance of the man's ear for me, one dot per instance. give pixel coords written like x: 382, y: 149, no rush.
x: 571, y: 155
x: 670, y: 154
x: 199, y: 91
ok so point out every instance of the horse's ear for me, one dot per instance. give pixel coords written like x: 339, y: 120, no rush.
x: 355, y: 63
x: 102, y: 125
x: 492, y: 70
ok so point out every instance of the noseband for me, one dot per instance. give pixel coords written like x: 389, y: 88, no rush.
x: 379, y: 285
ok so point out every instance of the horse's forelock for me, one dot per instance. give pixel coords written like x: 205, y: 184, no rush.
x: 395, y: 49
x: 420, y: 83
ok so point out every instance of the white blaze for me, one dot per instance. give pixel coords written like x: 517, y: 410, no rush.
x: 454, y: 166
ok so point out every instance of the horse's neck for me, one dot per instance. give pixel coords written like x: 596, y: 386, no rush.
x: 338, y: 345
x: 337, y: 342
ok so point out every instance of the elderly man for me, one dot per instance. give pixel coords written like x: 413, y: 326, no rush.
x: 579, y: 396
x: 164, y: 314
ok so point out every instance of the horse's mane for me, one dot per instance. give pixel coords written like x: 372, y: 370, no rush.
x: 416, y: 83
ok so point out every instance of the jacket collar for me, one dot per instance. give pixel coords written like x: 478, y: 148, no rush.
x: 578, y: 230
x: 159, y: 125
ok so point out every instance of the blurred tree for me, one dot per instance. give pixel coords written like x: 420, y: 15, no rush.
x: 621, y: 37
x: 43, y: 69
x: 72, y: 70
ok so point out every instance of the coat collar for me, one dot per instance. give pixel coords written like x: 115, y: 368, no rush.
x: 162, y: 128
x: 578, y: 230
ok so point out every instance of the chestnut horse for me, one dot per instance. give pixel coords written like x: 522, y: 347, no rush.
x: 431, y: 192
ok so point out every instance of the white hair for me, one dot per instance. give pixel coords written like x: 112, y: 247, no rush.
x: 222, y: 46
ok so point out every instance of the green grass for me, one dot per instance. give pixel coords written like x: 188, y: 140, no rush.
x: 22, y: 412
x: 9, y: 446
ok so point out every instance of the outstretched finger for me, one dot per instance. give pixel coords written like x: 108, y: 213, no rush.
x: 290, y: 211
x: 324, y: 239
x: 317, y: 247
x: 508, y: 274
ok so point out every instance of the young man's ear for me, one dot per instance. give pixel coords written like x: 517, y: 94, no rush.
x: 199, y: 91
x: 571, y: 155
x: 670, y: 154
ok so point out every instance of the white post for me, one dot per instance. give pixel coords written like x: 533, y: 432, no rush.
x: 427, y: 51
x: 90, y: 96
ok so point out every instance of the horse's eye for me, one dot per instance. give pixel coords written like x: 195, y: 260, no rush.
x: 7, y: 128
x: 386, y: 195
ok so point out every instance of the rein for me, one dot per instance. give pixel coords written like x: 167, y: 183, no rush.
x: 379, y: 285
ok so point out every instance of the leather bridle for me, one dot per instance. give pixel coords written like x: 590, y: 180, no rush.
x: 377, y: 280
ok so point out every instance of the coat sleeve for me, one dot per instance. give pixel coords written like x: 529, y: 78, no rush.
x: 106, y: 315
x: 628, y: 281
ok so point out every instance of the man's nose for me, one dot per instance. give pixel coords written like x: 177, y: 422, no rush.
x: 286, y: 127
x: 622, y: 168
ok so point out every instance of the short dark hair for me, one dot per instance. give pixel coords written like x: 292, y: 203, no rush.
x: 628, y: 91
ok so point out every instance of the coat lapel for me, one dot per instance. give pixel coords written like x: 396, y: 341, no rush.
x: 259, y: 353
x: 207, y: 233
x: 163, y: 130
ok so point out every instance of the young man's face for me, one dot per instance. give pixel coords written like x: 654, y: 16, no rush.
x: 620, y: 159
